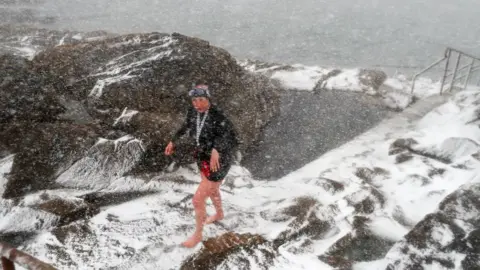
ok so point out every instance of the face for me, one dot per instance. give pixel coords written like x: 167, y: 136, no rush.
x: 201, y: 104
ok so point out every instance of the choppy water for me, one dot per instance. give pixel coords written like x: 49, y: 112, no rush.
x: 407, y: 33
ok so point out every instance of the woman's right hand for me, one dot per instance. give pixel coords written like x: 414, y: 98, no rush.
x: 169, y: 149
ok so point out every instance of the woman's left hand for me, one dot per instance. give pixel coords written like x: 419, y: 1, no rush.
x: 215, y: 161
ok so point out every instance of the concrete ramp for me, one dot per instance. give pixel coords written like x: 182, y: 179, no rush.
x: 310, y: 124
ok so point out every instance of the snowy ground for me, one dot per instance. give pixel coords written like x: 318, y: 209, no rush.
x: 396, y: 91
x: 144, y: 233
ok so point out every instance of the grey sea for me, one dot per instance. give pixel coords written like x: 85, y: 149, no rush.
x: 393, y: 35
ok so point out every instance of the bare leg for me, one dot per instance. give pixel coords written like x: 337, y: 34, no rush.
x: 204, y: 190
x: 217, y: 203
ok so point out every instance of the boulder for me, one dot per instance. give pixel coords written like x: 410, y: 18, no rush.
x: 152, y: 73
x: 24, y: 95
x: 359, y: 245
x: 42, y: 152
x: 362, y: 80
x: 68, y: 210
x: 219, y: 249
x: 446, y: 238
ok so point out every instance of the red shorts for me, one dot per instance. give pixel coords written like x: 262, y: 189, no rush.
x: 203, y: 163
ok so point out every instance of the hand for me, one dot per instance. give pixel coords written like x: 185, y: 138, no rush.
x: 169, y: 149
x: 214, y: 161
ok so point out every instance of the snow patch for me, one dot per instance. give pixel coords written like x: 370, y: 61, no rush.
x: 5, y: 168
x: 125, y: 117
x: 105, y: 162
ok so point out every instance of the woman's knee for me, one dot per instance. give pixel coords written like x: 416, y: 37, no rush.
x: 198, y: 200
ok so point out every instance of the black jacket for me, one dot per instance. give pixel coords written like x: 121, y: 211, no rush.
x: 218, y: 131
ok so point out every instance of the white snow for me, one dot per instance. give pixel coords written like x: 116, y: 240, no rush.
x: 153, y: 225
x: 106, y: 162
x: 396, y: 92
x: 25, y: 219
x: 302, y: 78
x: 347, y: 80
x: 126, y: 66
x: 387, y: 228
x: 5, y: 168
x: 125, y: 116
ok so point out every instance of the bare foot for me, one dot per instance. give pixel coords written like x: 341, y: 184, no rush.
x: 193, y: 241
x: 213, y: 218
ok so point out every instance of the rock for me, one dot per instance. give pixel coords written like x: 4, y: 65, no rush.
x: 24, y: 95
x: 400, y: 145
x: 305, y: 223
x: 321, y: 84
x: 449, y: 150
x: 155, y: 130
x: 403, y: 157
x: 396, y: 100
x: 17, y: 239
x: 447, y: 237
x: 367, y: 81
x: 151, y: 74
x: 43, y: 152
x: 68, y: 210
x: 102, y: 199
x: 370, y: 176
x: 358, y: 245
x: 219, y: 249
x: 366, y: 200
x: 372, y: 79
x: 436, y: 171
x: 331, y: 185
x: 338, y: 262
x: 26, y: 41
x: 104, y: 163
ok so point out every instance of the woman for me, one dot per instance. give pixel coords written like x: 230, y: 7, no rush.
x: 215, y: 140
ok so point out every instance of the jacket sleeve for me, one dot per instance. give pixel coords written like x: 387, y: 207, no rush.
x: 224, y: 131
x: 183, y: 129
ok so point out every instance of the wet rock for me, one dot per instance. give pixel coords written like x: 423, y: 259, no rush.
x: 372, y: 79
x: 16, y: 239
x: 217, y: 250
x: 68, y: 210
x: 366, y: 200
x: 101, y: 199
x: 369, y: 81
x: 402, y: 158
x: 306, y: 223
x: 43, y: 152
x: 321, y: 84
x: 24, y: 95
x: 151, y: 74
x: 332, y: 185
x: 359, y: 245
x: 443, y: 236
x: 400, y: 145
x: 436, y: 171
x: 370, y: 176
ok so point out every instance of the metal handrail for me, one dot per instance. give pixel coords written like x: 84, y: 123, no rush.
x: 425, y: 70
x: 10, y: 255
x: 447, y: 56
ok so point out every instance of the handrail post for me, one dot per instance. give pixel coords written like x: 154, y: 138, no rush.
x: 424, y: 70
x: 455, y: 71
x: 10, y: 255
x: 469, y: 73
x: 458, y: 73
x: 448, y: 53
x: 7, y: 264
